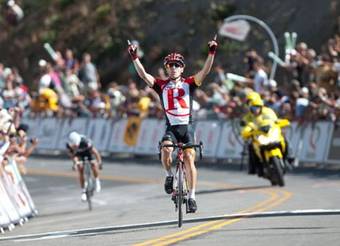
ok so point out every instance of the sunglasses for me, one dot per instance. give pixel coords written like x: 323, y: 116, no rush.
x: 254, y: 108
x: 173, y: 64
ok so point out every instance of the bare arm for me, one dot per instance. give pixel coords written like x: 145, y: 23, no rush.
x: 148, y: 78
x: 30, y: 149
x: 201, y: 75
x: 97, y: 155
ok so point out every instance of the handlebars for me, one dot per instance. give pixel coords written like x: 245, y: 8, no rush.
x: 181, y: 146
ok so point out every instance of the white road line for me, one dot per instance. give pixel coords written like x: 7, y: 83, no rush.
x: 40, y: 238
x: 98, y: 230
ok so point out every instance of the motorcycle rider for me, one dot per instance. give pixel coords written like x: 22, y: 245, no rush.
x: 256, y: 115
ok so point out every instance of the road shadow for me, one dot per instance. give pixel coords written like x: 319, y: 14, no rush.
x: 312, y: 170
x: 221, y: 190
x: 61, y: 213
x: 240, y: 188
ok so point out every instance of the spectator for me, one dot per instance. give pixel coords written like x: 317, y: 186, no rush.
x: 8, y: 92
x: 13, y: 12
x: 88, y: 71
x: 301, y: 104
x: 116, y: 98
x: 95, y: 103
x: 24, y: 150
x: 72, y: 84
x: 260, y: 77
x: 70, y: 62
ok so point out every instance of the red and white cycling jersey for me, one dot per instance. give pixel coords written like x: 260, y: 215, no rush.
x: 176, y: 99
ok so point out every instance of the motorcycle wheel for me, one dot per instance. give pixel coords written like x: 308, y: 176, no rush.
x: 277, y: 172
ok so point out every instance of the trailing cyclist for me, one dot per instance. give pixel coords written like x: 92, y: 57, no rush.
x: 80, y: 148
x: 176, y: 93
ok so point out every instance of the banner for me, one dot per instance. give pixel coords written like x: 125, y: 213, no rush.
x: 316, y: 141
x: 131, y: 133
x: 33, y: 123
x: 99, y: 131
x: 9, y: 214
x: 310, y: 142
x: 68, y: 125
x: 117, y: 143
x: 4, y: 219
x: 236, y: 29
x: 333, y: 155
x: 16, y: 204
x: 17, y: 196
x: 294, y: 134
x: 47, y: 132
x: 230, y: 145
x: 22, y: 186
x: 151, y: 133
x: 208, y: 132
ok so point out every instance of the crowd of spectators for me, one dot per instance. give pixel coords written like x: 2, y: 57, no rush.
x: 14, y: 143
x: 67, y: 87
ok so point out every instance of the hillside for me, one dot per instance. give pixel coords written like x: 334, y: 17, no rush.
x: 102, y: 28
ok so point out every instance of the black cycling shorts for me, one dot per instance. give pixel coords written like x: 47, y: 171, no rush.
x: 180, y: 134
x: 85, y: 155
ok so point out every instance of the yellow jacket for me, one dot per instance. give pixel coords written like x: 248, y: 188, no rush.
x: 266, y: 114
x: 250, y: 120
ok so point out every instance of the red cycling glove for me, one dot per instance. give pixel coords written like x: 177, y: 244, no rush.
x: 133, y: 52
x: 212, y: 49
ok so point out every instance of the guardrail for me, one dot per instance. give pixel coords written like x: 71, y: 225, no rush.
x: 16, y: 204
x: 316, y: 142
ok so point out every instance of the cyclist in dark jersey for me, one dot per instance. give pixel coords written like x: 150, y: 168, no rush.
x: 176, y: 93
x: 80, y: 148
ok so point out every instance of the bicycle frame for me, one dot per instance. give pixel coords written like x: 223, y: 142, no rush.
x: 88, y: 181
x: 180, y: 192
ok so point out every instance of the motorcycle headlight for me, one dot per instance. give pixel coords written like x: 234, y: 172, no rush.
x: 263, y: 140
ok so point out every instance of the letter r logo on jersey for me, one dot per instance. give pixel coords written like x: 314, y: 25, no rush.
x: 176, y: 94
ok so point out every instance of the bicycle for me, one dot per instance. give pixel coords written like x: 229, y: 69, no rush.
x: 89, y: 183
x: 180, y: 193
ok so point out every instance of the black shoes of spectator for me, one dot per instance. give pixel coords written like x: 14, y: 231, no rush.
x: 168, y: 185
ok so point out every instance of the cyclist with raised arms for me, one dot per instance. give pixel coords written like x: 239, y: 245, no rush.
x: 80, y: 148
x: 176, y: 94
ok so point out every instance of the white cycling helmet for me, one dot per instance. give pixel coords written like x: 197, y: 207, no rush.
x: 74, y: 138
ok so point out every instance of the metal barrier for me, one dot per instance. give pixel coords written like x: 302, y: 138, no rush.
x: 16, y: 204
x: 312, y: 142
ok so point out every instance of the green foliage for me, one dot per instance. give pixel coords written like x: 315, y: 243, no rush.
x: 103, y: 11
x: 220, y: 11
x: 65, y: 3
x: 36, y: 4
x: 49, y: 36
x: 53, y: 20
x: 231, y: 48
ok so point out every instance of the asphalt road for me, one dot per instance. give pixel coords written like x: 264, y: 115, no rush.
x: 133, y: 209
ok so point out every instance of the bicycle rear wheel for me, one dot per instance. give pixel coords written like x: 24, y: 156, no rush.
x: 89, y: 185
x: 180, y: 195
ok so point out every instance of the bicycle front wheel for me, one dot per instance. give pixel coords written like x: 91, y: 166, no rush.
x: 89, y: 202
x: 180, y: 195
x: 89, y: 185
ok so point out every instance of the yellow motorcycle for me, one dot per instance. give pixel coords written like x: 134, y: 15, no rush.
x: 269, y: 146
